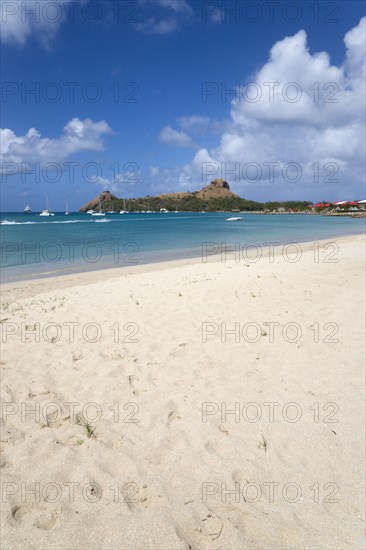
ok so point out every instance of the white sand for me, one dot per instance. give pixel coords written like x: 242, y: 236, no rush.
x: 163, y: 479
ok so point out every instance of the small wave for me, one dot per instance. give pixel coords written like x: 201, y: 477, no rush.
x: 9, y: 222
x: 102, y: 221
x: 71, y: 221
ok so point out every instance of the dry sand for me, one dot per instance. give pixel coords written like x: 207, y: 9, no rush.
x: 156, y: 473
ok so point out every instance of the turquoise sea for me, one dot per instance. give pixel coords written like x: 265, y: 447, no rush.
x: 32, y: 246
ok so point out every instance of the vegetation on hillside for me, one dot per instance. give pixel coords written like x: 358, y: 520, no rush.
x: 191, y: 203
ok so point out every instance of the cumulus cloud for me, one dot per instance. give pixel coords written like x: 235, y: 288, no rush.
x: 295, y: 86
x: 175, y: 138
x: 299, y: 110
x: 21, y: 19
x: 77, y: 136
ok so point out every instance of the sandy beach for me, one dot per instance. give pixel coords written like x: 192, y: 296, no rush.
x: 187, y: 405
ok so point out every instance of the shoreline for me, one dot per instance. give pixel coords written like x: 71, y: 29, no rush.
x: 149, y: 251
x: 26, y: 287
x: 361, y: 212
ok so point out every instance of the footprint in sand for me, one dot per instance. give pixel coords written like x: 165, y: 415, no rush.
x: 216, y: 447
x: 52, y: 420
x: 240, y: 477
x: 138, y: 496
x: 36, y: 515
x: 5, y: 464
x: 130, y: 494
x: 12, y: 436
x: 169, y: 448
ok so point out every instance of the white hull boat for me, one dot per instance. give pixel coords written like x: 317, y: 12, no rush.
x: 100, y: 213
x: 46, y: 213
x: 47, y: 210
x: 124, y: 211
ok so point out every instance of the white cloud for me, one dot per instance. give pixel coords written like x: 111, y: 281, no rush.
x: 177, y: 6
x: 77, y: 136
x: 201, y: 125
x: 21, y: 19
x: 309, y: 131
x: 175, y: 138
x: 166, y: 16
x: 355, y: 44
x: 197, y: 125
x: 295, y: 86
x: 166, y: 180
x: 174, y: 6
x: 152, y: 25
x: 215, y: 15
x: 120, y: 182
x: 153, y: 171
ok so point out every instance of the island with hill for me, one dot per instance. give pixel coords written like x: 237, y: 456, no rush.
x: 215, y: 197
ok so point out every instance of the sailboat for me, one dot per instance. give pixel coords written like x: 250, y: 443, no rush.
x: 100, y: 213
x: 111, y: 211
x: 27, y: 210
x: 67, y: 212
x: 124, y: 211
x: 47, y: 211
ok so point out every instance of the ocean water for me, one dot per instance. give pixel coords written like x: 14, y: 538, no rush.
x: 32, y: 246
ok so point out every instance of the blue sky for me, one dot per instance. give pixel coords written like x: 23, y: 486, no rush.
x: 169, y: 128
